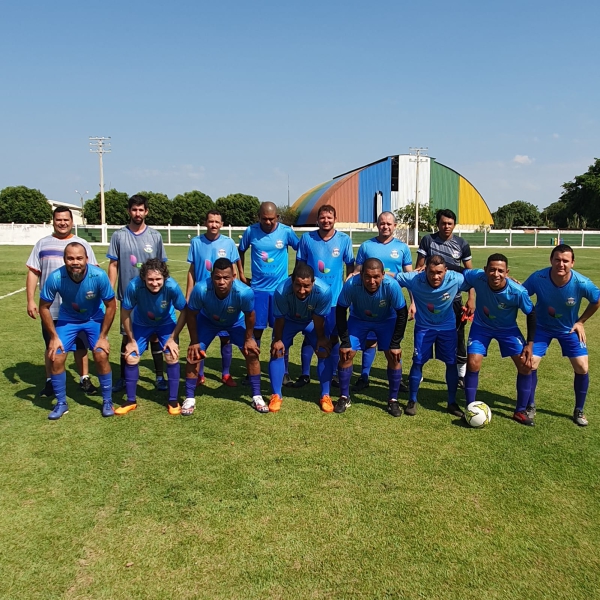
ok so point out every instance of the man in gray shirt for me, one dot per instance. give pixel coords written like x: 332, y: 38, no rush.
x: 130, y: 247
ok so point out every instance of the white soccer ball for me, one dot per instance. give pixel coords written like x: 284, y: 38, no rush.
x: 478, y: 414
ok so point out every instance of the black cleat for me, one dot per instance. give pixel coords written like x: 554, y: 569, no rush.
x: 454, y: 410
x: 521, y: 417
x: 362, y: 383
x: 301, y: 381
x: 461, y: 383
x: 394, y: 408
x: 411, y: 409
x: 341, y: 405
x: 48, y: 390
x: 287, y: 380
x: 87, y: 386
x: 335, y: 382
x: 530, y: 411
x: 403, y: 387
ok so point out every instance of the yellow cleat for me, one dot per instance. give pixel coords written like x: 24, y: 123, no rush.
x: 275, y: 403
x: 326, y: 404
x: 123, y: 410
x: 174, y: 410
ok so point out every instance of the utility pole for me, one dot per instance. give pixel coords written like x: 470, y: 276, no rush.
x: 420, y: 155
x: 101, y: 145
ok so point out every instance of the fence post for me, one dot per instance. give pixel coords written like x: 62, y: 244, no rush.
x: 168, y: 233
x: 582, y: 237
x: 485, y: 237
x: 510, y: 238
x: 558, y: 236
x: 535, y: 239
x: 351, y: 242
x: 230, y: 231
x: 76, y: 229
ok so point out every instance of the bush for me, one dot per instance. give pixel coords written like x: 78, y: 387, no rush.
x: 160, y: 208
x: 238, y: 209
x: 21, y: 204
x: 115, y: 206
x: 191, y: 208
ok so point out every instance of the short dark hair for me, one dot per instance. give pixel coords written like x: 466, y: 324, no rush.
x: 213, y: 211
x: 373, y: 263
x: 445, y: 212
x: 560, y: 249
x: 154, y: 264
x: 303, y: 271
x: 327, y: 208
x: 434, y: 260
x: 497, y: 257
x: 137, y: 200
x: 75, y: 244
x: 221, y: 264
x: 61, y: 209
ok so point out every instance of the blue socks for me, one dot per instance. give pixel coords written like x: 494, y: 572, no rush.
x: 368, y: 358
x: 471, y: 385
x: 531, y: 401
x: 580, y: 384
x: 276, y: 373
x: 451, y: 382
x: 173, y: 374
x: 414, y: 381
x: 324, y: 371
x: 344, y: 375
x: 132, y: 374
x: 335, y: 358
x: 190, y: 387
x: 523, y: 391
x: 254, y: 384
x: 306, y: 355
x: 106, y: 387
x: 226, y: 356
x: 59, y: 383
x: 394, y: 377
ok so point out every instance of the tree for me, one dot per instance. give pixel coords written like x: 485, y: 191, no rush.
x: 21, y: 204
x: 191, y: 208
x: 582, y: 197
x: 160, y: 208
x: 406, y: 215
x: 115, y: 206
x: 287, y: 215
x: 238, y: 209
x: 555, y: 215
x: 517, y: 214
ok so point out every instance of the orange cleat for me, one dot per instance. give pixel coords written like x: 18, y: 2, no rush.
x: 326, y: 404
x: 275, y: 403
x: 123, y: 410
x: 228, y: 380
x: 201, y: 380
x: 174, y: 410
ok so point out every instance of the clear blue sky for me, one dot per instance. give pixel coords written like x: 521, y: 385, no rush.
x: 234, y: 96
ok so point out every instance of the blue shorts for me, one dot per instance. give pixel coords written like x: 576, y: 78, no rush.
x: 445, y: 341
x: 207, y: 332
x: 263, y: 309
x: 292, y: 328
x: 143, y: 334
x: 570, y: 344
x: 510, y: 340
x: 68, y: 331
x: 80, y: 340
x: 359, y: 332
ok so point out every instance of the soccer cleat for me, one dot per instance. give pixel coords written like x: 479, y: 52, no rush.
x: 403, y: 387
x: 326, y: 404
x: 108, y: 410
x: 287, y: 380
x: 119, y: 385
x: 335, y: 382
x: 58, y: 411
x: 174, y: 410
x: 127, y: 407
x: 246, y: 380
x: 189, y: 405
x: 341, y: 405
x: 362, y: 383
x: 275, y: 403
x: 411, y: 408
x: 228, y: 380
x: 87, y: 386
x: 48, y: 390
x: 461, y: 383
x: 521, y: 417
x: 200, y: 381
x: 161, y: 384
x: 394, y: 408
x: 579, y: 418
x: 301, y: 381
x: 259, y: 406
x: 530, y: 410
x: 454, y: 410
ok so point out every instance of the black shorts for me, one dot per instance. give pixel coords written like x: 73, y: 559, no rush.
x: 79, y: 341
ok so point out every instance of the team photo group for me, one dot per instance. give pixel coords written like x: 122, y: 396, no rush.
x: 338, y: 303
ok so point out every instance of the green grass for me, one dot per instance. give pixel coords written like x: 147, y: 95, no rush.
x: 233, y: 504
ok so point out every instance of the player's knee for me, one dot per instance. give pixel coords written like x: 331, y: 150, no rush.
x: 133, y: 359
x: 170, y: 358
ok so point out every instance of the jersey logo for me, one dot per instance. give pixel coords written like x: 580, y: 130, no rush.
x: 148, y: 249
x: 335, y: 252
x: 90, y: 295
x: 216, y: 317
x: 164, y: 304
x: 394, y: 254
x: 368, y: 313
x: 456, y: 254
x: 134, y: 261
x: 382, y: 303
x: 311, y: 307
x: 570, y: 301
x: 321, y: 266
x: 265, y: 257
x: 501, y: 306
x: 431, y: 308
x: 208, y: 265
x: 222, y: 253
x: 445, y: 296
x: 76, y: 308
x: 152, y: 317
x: 279, y: 244
x: 552, y: 313
x: 486, y: 312
x: 231, y: 309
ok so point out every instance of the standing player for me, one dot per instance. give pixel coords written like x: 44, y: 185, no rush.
x: 326, y: 250
x: 222, y: 303
x: 130, y: 247
x: 455, y: 251
x: 83, y: 289
x: 47, y: 256
x: 433, y: 291
x: 396, y: 258
x: 148, y: 310
x: 559, y: 291
x: 204, y: 250
x: 377, y: 305
x: 301, y: 305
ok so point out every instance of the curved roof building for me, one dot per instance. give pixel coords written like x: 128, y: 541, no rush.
x: 390, y: 183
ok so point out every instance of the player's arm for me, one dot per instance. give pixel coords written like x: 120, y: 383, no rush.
x: 587, y: 313
x: 109, y: 316
x: 190, y: 282
x: 412, y: 309
x: 323, y: 342
x: 527, y: 353
x: 54, y: 344
x: 30, y: 285
x: 171, y: 344
x: 277, y: 347
x: 398, y: 335
x: 131, y: 345
x: 194, y: 353
x: 349, y: 269
x: 113, y: 271
x: 250, y: 345
x: 240, y: 264
x: 341, y: 320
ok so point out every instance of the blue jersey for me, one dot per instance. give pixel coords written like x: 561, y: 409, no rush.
x: 81, y: 301
x: 327, y: 258
x: 434, y: 305
x: 287, y: 305
x: 496, y: 310
x: 223, y: 313
x: 269, y: 255
x: 376, y: 307
x: 557, y: 308
x: 395, y: 255
x: 203, y: 253
x: 153, y: 310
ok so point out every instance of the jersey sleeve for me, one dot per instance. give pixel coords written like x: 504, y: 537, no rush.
x: 293, y: 239
x: 234, y: 255
x: 177, y: 297
x: 529, y: 285
x: 397, y: 296
x: 360, y: 256
x: 405, y: 279
x: 195, y: 301
x: 91, y: 256
x: 161, y: 249
x: 466, y: 252
x: 247, y: 298
x: 279, y: 304
x: 113, y: 248
x: 302, y: 252
x: 348, y: 252
x: 406, y: 257
x: 324, y: 304
x: 591, y: 292
x: 345, y: 297
x: 424, y: 246
x: 469, y: 275
x: 190, y: 257
x: 525, y: 303
x: 33, y: 262
x: 130, y: 298
x: 245, y: 241
x: 48, y: 293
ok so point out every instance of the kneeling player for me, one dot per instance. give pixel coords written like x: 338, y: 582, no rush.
x: 148, y: 310
x: 83, y: 289
x: 222, y: 303
x: 559, y: 290
x: 377, y: 305
x: 433, y: 291
x: 301, y: 305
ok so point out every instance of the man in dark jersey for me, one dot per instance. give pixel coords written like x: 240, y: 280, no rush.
x: 454, y: 250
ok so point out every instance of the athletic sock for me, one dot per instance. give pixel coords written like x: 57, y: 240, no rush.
x: 324, y: 369
x: 581, y: 384
x: 286, y: 360
x: 201, y: 369
x: 123, y: 362
x: 414, y: 381
x: 368, y: 358
x: 59, y: 383
x: 106, y: 386
x: 190, y: 387
x: 157, y: 355
x: 276, y: 373
x: 335, y: 358
x: 173, y: 375
x: 226, y: 357
x: 254, y: 384
x: 531, y: 401
x: 523, y: 391
x: 452, y: 375
x: 471, y: 385
x: 344, y: 374
x: 394, y: 378
x: 306, y: 355
x: 132, y: 374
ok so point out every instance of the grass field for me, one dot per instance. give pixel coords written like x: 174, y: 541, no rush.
x: 299, y: 504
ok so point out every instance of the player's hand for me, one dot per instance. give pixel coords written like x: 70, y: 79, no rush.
x: 579, y: 329
x: 513, y: 279
x: 32, y: 309
x: 243, y: 279
x: 53, y: 347
x: 412, y: 311
x: 130, y: 348
x: 345, y: 354
x: 470, y: 306
x: 277, y: 349
x: 195, y: 354
x: 251, y: 347
x: 351, y: 276
x: 172, y: 347
x: 323, y: 347
x: 420, y: 269
x: 396, y: 355
x: 103, y: 344
x: 527, y: 356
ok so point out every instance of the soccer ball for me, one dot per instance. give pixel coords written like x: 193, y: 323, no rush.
x: 478, y: 414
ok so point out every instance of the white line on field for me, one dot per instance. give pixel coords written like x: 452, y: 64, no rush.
x: 12, y: 293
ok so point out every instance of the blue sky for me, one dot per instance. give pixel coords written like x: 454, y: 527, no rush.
x: 235, y: 96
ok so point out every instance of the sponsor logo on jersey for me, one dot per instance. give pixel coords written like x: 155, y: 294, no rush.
x: 279, y: 244
x: 456, y: 254
x: 552, y: 313
x: 394, y: 254
x: 431, y: 308
x: 570, y: 301
x: 368, y: 313
x: 382, y: 303
x: 148, y: 249
x: 501, y: 306
x: 335, y: 252
x: 321, y: 266
x: 208, y: 265
x: 164, y: 304
x: 90, y: 295
x: 231, y: 309
x: 265, y: 257
x: 76, y: 308
x: 222, y: 253
x: 486, y: 312
x: 311, y: 307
